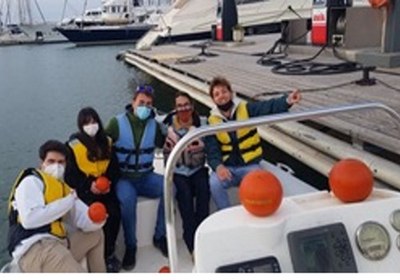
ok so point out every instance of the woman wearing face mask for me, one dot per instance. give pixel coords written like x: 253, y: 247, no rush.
x: 190, y: 175
x: 92, y: 157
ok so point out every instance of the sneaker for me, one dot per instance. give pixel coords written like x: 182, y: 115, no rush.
x: 129, y: 261
x: 161, y: 244
x: 113, y: 264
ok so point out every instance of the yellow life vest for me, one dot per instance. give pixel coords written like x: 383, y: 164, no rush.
x: 53, y: 190
x: 249, y: 140
x: 90, y: 168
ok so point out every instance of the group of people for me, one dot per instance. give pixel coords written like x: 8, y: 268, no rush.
x: 50, y: 229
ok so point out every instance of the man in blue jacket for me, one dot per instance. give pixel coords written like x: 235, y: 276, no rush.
x: 232, y: 155
x: 135, y: 135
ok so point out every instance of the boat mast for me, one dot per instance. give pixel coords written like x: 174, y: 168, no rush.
x: 84, y: 8
x: 64, y: 9
x: 83, y: 13
x: 8, y: 13
x: 1, y: 16
x: 25, y: 12
x: 40, y: 11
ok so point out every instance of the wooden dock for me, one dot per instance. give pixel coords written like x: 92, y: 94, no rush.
x: 372, y: 135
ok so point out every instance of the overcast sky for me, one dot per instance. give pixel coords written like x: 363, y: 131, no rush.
x: 52, y: 9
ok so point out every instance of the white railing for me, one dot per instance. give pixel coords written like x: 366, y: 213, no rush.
x: 231, y: 126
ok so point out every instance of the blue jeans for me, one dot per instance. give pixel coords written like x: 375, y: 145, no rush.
x: 218, y: 188
x: 128, y: 190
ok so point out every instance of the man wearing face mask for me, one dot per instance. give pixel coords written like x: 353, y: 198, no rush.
x: 190, y: 174
x: 50, y: 230
x: 92, y: 159
x: 136, y: 134
x: 232, y: 155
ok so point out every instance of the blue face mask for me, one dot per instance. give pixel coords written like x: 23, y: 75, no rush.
x: 142, y: 112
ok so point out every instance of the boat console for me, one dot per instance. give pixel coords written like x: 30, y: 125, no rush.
x: 309, y: 232
x: 312, y: 232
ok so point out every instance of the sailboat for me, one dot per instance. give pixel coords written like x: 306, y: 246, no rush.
x: 17, y: 24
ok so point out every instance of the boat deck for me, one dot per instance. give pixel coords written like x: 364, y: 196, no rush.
x: 183, y: 63
x: 28, y: 35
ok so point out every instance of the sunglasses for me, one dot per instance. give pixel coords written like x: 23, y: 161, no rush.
x: 145, y: 88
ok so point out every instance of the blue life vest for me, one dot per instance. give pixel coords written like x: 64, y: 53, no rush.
x: 130, y: 157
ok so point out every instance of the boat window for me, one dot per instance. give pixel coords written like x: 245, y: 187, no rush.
x: 125, y: 9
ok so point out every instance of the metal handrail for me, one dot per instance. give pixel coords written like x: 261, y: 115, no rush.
x: 230, y: 126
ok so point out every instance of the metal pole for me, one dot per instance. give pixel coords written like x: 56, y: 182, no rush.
x: 230, y: 126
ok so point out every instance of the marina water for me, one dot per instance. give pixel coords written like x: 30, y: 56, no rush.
x: 42, y: 88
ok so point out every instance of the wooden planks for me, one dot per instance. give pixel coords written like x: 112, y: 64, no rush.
x: 252, y: 80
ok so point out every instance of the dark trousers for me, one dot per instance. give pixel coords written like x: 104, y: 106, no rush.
x: 193, y: 196
x: 111, y: 228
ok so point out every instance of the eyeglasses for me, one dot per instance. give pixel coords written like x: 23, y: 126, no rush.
x: 184, y: 107
x: 145, y: 88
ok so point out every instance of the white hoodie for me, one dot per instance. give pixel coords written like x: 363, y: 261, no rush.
x: 33, y: 212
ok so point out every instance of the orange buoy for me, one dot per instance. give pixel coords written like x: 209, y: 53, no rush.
x: 165, y: 269
x: 377, y: 4
x: 103, y: 184
x: 260, y: 193
x: 97, y: 212
x: 351, y: 180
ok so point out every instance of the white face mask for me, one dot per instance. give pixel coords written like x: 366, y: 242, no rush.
x: 56, y: 170
x: 91, y: 129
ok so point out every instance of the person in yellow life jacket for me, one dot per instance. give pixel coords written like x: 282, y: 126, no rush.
x: 49, y: 226
x: 190, y: 175
x: 91, y: 157
x: 231, y: 155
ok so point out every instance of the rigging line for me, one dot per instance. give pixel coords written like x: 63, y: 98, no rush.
x: 386, y: 72
x: 40, y: 11
x: 328, y: 87
x: 387, y: 85
x: 290, y: 8
x: 64, y: 9
x: 304, y: 90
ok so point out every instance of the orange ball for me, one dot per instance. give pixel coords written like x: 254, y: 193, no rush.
x: 377, y: 4
x: 97, y: 212
x: 164, y: 269
x: 260, y: 193
x: 103, y: 184
x: 351, y: 180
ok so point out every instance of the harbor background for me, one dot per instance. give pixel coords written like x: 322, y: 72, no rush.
x: 51, y: 10
x: 43, y: 88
